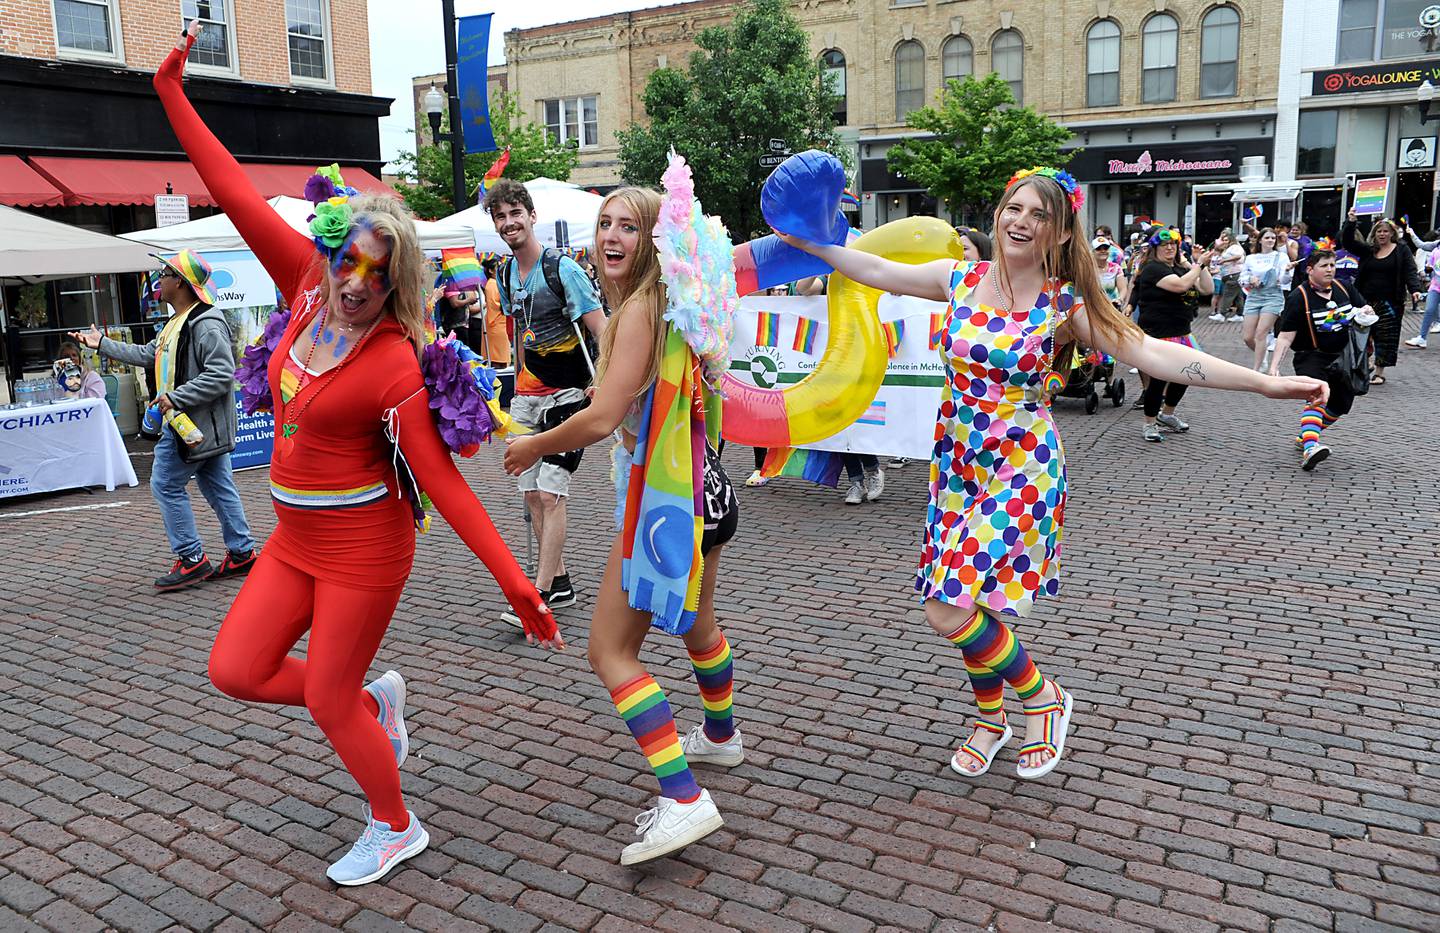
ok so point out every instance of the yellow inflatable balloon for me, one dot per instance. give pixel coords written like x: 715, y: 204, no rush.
x: 849, y: 374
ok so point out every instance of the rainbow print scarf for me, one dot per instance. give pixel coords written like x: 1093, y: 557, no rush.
x: 661, y: 565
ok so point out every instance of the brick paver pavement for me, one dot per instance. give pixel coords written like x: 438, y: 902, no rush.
x: 1253, y: 649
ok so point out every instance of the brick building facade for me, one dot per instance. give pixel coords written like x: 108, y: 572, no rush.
x: 1192, y: 82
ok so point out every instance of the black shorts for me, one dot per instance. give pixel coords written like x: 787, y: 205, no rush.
x: 722, y: 509
x: 1315, y: 364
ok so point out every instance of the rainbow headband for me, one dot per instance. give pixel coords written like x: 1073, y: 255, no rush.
x: 1061, y: 177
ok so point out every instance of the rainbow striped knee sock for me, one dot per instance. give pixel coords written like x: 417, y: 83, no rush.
x: 715, y: 674
x: 989, y: 690
x: 642, y: 705
x: 1312, y: 422
x: 988, y: 643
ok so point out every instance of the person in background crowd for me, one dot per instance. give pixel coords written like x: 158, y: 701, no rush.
x: 1112, y: 274
x: 1164, y: 315
x: 494, y: 336
x: 1387, y: 279
x: 194, y: 361
x: 976, y: 244
x: 1317, y: 320
x: 1430, y: 321
x: 867, y: 480
x: 91, y: 385
x: 1264, y: 299
x: 1227, y: 259
x: 453, y: 312
x: 549, y: 297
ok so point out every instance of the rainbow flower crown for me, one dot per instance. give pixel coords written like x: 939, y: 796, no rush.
x: 1061, y: 177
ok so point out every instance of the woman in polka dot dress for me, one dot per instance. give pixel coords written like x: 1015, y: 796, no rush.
x: 997, y: 478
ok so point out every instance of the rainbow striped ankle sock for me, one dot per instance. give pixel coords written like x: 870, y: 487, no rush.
x: 642, y: 705
x: 987, y: 642
x: 989, y: 690
x: 715, y: 674
x: 1312, y: 422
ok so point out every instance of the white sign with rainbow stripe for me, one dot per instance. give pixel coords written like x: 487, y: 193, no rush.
x: 779, y: 339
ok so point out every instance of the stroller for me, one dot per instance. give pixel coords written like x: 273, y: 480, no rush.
x: 1088, y: 370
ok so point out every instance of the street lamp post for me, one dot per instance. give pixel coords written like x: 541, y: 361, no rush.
x: 452, y: 90
x: 1425, y: 96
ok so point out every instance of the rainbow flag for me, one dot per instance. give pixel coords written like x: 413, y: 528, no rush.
x: 805, y: 331
x: 493, y: 173
x: 1252, y: 212
x: 767, y: 329
x: 459, y: 271
x: 894, y: 333
x: 937, y: 329
x: 821, y: 467
x: 875, y: 414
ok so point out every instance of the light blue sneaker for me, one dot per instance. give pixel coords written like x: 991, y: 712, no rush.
x: 378, y: 850
x: 389, y: 694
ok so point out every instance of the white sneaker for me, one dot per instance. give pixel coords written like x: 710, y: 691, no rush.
x: 1234, y: 317
x: 671, y: 826
x: 1171, y: 423
x: 856, y: 495
x: 699, y: 749
x: 1217, y: 317
x: 389, y: 694
x: 1419, y: 343
x: 1435, y: 328
x: 898, y: 462
x: 874, y: 485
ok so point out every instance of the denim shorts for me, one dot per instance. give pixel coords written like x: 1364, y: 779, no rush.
x: 1265, y: 301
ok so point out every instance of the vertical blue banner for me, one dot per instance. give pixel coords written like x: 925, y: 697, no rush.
x: 473, y: 50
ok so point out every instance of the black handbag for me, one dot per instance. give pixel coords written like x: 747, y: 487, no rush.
x: 553, y: 417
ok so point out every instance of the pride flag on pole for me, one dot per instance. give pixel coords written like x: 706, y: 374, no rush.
x: 459, y: 270
x: 493, y: 173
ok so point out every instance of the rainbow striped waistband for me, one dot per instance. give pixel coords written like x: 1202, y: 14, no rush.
x: 327, y: 498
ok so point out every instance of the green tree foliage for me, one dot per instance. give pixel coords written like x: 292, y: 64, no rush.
x: 427, y: 187
x: 749, y: 83
x: 980, y: 138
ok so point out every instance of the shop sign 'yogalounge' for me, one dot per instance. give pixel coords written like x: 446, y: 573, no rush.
x: 1363, y: 79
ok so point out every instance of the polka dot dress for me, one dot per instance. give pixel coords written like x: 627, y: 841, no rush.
x: 997, y: 476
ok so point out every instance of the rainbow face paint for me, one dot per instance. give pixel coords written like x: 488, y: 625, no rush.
x: 351, y: 259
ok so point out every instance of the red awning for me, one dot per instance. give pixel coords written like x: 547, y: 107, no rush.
x: 21, y: 186
x: 137, y: 181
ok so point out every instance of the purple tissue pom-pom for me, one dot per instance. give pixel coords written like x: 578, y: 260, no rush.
x: 319, y: 188
x: 253, y: 373
x: 461, y: 411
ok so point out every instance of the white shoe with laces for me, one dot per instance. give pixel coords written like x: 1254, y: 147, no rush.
x: 1171, y: 423
x: 671, y: 826
x: 699, y: 749
x: 1217, y: 318
x: 1417, y: 342
x: 1435, y: 328
x: 874, y: 485
x: 378, y: 851
x: 856, y: 495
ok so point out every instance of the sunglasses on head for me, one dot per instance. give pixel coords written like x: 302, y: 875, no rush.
x: 168, y: 274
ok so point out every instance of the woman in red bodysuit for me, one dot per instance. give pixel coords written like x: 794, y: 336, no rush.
x: 335, y: 566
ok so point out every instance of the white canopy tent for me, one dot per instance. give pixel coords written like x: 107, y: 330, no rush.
x: 36, y: 249
x: 216, y: 233
x: 564, y: 216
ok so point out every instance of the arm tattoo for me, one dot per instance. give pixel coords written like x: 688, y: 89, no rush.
x: 1194, y: 371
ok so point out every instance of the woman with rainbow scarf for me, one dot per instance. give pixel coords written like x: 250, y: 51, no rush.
x: 663, y: 349
x: 997, y: 480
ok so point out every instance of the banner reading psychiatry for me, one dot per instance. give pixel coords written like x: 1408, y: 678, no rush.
x: 779, y: 340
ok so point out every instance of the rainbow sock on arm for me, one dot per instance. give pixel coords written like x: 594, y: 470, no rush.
x: 642, y: 705
x: 715, y: 674
x: 987, y: 642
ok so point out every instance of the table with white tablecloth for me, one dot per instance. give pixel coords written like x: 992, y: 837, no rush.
x: 61, y: 445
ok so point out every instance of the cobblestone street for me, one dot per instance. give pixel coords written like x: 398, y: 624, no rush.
x: 1253, y: 650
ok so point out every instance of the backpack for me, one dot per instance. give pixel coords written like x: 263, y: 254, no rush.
x: 549, y: 267
x: 1352, y: 364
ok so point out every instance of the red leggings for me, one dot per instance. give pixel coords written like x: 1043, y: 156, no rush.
x: 251, y: 661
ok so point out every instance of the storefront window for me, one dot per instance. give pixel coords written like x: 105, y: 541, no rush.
x: 1316, y: 154
x: 1401, y: 34
x: 1362, y: 145
x: 1137, y: 204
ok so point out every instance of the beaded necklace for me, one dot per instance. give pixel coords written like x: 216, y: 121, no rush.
x: 289, y: 426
